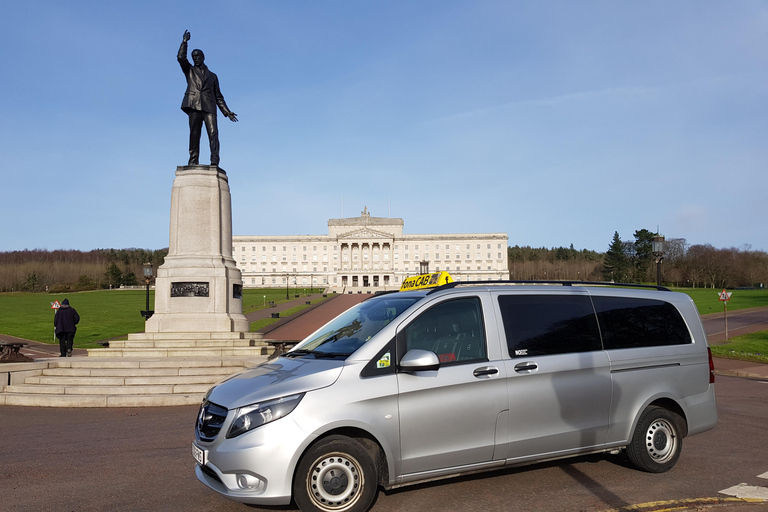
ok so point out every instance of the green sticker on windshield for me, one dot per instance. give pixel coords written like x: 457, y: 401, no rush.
x: 383, y: 362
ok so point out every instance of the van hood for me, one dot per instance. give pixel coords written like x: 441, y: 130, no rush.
x: 282, y: 377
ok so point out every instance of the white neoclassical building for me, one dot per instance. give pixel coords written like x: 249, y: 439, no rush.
x: 366, y: 254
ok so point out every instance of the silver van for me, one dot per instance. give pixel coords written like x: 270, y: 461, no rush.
x: 414, y: 386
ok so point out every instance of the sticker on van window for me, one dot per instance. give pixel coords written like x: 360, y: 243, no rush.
x: 383, y: 362
x: 521, y: 352
x: 447, y: 358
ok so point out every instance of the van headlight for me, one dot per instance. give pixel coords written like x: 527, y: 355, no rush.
x: 253, y: 416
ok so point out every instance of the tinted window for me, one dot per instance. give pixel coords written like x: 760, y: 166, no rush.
x: 453, y: 330
x: 631, y: 323
x: 548, y: 324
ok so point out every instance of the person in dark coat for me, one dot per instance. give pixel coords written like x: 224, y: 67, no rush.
x: 200, y: 101
x: 65, y: 321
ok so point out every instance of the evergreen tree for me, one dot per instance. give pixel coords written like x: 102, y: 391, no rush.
x: 616, y: 264
x: 114, y: 276
x: 643, y: 253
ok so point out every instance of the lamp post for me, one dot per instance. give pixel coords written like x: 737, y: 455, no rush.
x: 658, y: 254
x: 148, y: 274
x: 287, y: 280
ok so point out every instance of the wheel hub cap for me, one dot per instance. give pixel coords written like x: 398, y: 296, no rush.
x: 335, y: 482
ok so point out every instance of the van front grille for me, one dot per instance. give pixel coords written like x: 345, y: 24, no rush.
x: 209, y: 421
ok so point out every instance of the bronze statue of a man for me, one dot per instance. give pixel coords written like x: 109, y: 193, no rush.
x: 200, y: 101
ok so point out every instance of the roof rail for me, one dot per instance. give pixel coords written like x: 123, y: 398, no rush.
x: 561, y: 283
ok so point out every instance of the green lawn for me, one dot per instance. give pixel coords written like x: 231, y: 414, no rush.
x: 750, y: 347
x: 256, y: 299
x: 104, y: 314
x: 707, y: 300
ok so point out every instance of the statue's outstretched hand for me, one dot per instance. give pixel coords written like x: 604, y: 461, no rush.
x: 187, y: 35
x: 232, y: 117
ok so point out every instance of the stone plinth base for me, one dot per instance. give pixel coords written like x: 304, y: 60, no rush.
x: 199, y: 287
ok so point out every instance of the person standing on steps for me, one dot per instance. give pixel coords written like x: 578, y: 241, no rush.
x: 65, y: 321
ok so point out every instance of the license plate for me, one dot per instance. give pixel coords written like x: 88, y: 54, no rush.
x: 199, y: 454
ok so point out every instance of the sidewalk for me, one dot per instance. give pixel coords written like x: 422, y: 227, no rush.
x: 36, y: 350
x: 737, y: 368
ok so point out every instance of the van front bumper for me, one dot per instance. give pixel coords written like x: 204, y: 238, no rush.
x: 256, y: 467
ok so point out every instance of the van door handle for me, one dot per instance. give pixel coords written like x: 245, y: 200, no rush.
x: 485, y: 370
x: 526, y: 367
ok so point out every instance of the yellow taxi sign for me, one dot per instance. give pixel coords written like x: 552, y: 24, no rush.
x: 426, y: 281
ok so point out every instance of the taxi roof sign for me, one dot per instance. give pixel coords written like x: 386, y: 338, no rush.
x: 426, y: 281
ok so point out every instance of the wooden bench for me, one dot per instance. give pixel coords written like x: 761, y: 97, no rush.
x: 280, y: 347
x: 11, y: 354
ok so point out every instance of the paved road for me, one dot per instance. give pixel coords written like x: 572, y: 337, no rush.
x: 740, y: 322
x: 309, y: 322
x: 139, y: 460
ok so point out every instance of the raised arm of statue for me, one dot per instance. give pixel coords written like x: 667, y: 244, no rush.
x: 182, y: 55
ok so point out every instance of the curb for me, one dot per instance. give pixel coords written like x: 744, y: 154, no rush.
x: 743, y: 375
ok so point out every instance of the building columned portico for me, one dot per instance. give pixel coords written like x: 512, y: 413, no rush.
x: 365, y: 253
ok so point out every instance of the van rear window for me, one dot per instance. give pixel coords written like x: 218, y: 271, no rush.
x: 632, y: 323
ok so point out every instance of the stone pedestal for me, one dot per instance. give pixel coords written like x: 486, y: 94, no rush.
x: 199, y: 288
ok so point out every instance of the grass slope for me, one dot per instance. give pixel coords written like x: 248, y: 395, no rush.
x: 104, y: 314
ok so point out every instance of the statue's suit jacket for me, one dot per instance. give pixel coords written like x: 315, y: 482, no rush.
x: 202, y: 87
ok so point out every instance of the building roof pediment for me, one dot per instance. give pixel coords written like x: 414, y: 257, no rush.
x: 365, y: 233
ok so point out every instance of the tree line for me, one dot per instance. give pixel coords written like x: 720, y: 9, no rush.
x: 629, y: 261
x: 633, y: 261
x: 698, y: 265
x: 63, y: 271
x: 559, y: 263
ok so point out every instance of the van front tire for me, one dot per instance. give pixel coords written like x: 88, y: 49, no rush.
x: 657, y: 442
x: 335, y: 475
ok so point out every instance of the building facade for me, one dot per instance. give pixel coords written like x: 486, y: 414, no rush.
x: 366, y: 254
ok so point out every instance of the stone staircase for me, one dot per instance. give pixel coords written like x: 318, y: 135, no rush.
x: 148, y: 369
x: 205, y: 345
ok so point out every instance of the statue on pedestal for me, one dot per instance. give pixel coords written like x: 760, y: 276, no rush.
x: 200, y: 101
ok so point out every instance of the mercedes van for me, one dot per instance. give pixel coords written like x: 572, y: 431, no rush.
x: 414, y: 386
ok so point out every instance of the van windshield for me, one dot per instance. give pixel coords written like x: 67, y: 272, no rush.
x: 356, y: 326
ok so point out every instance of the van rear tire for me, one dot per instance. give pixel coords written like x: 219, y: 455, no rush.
x: 657, y: 441
x: 335, y: 475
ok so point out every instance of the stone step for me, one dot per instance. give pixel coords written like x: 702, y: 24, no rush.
x: 50, y: 400
x: 120, y: 362
x: 183, y: 343
x: 179, y: 352
x: 137, y: 372
x: 110, y: 390
x: 118, y: 382
x: 157, y: 336
x: 122, y: 381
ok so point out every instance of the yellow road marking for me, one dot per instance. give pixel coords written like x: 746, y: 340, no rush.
x: 671, y: 505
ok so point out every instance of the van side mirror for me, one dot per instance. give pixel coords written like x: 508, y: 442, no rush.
x: 417, y: 360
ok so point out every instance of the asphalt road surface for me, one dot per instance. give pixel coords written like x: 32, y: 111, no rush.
x: 740, y: 322
x: 62, y: 459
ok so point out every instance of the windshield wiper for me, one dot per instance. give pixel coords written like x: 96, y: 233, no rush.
x: 320, y: 355
x: 299, y: 352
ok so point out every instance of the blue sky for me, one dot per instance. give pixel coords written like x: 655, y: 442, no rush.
x: 556, y: 122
